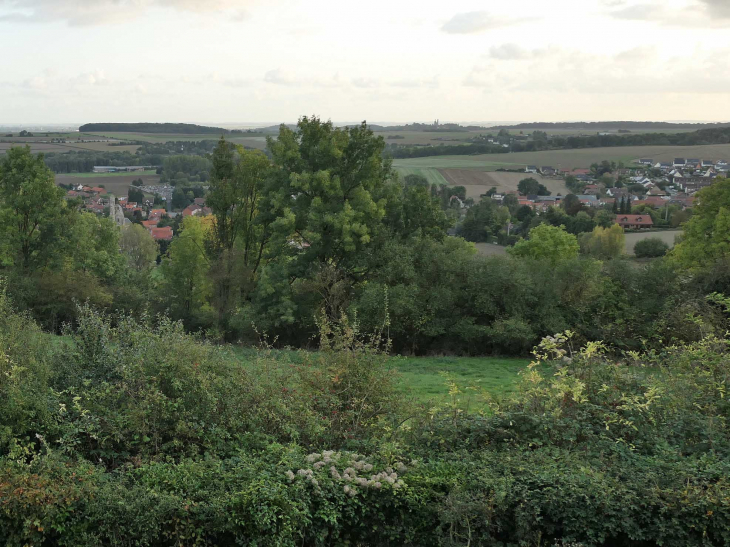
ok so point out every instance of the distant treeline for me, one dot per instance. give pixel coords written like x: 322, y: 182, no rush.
x: 188, y: 128
x: 594, y: 126
x: 701, y: 137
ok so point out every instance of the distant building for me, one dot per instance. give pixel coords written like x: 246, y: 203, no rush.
x: 634, y: 221
x: 164, y: 234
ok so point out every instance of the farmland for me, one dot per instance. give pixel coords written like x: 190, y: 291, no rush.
x: 568, y: 159
x: 478, y: 182
x: 252, y: 140
x: 634, y: 237
x: 114, y: 183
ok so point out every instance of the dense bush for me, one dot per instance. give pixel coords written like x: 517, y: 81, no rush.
x: 129, y: 433
x: 652, y: 247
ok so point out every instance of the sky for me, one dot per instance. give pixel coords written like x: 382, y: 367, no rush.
x: 272, y: 61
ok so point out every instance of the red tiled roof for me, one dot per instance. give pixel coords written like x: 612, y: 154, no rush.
x: 149, y: 224
x: 634, y: 220
x: 161, y: 233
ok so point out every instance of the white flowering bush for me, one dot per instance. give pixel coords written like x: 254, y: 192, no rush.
x: 352, y: 471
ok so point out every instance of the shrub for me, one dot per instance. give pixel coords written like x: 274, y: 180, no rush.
x: 652, y: 247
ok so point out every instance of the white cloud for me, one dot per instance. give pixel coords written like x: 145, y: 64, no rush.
x: 278, y: 77
x: 478, y: 21
x: 365, y: 83
x: 515, y: 52
x: 96, y: 12
x: 717, y: 8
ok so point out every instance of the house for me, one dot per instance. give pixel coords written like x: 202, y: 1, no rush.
x: 156, y: 214
x: 97, y: 190
x: 576, y: 172
x: 592, y: 190
x: 664, y: 166
x: 634, y: 221
x: 531, y: 169
x: 194, y: 209
x: 646, y: 162
x: 548, y: 171
x: 707, y: 163
x: 656, y: 191
x: 721, y: 165
x: 164, y: 234
x: 149, y: 224
x: 652, y: 201
x: 589, y: 200
x: 585, y: 178
x: 199, y: 201
x: 679, y: 162
x: 694, y: 163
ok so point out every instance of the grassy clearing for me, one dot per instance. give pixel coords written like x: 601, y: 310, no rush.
x: 426, y: 379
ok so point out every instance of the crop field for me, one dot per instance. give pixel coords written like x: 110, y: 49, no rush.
x: 479, y: 182
x: 36, y: 147
x: 254, y: 140
x: 634, y: 237
x: 428, y: 137
x: 567, y: 159
x: 433, y: 176
x: 117, y: 184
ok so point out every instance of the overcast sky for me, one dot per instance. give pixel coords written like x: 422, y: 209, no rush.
x: 235, y: 61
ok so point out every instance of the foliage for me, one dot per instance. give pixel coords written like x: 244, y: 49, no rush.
x: 604, y: 243
x: 137, y: 244
x: 652, y: 247
x: 530, y: 186
x: 706, y: 234
x: 29, y: 204
x: 551, y: 243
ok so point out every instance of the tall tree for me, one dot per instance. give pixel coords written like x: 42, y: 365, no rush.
x: 185, y: 269
x: 240, y: 232
x: 138, y: 246
x: 706, y: 237
x: 30, y: 203
x: 547, y: 242
x: 330, y: 194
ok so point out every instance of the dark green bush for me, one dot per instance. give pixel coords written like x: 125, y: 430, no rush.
x: 652, y: 247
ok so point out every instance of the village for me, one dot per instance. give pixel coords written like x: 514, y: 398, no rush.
x: 634, y: 194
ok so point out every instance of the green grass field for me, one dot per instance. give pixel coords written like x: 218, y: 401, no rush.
x: 433, y: 176
x: 427, y: 379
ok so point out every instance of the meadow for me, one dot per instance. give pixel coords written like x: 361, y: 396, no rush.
x: 428, y: 380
